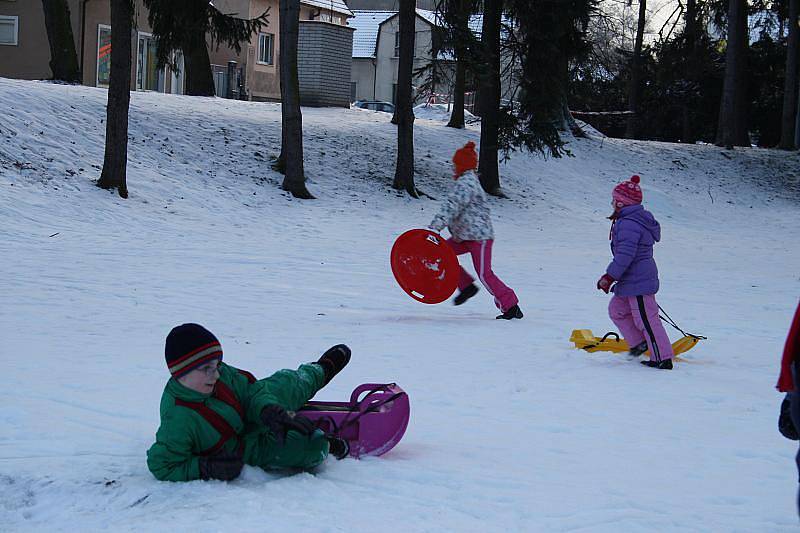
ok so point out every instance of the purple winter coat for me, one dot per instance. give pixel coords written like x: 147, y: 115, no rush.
x: 632, y: 237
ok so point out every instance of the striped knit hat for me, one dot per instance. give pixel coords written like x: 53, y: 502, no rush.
x: 627, y: 193
x: 189, y: 346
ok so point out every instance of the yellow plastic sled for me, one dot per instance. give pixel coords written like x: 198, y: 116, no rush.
x: 585, y: 340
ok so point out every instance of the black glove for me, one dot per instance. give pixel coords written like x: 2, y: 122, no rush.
x: 334, y: 360
x: 224, y: 466
x: 279, y: 422
x: 338, y: 447
x: 785, y: 423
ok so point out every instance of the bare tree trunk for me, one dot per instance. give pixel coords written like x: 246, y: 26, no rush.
x: 291, y: 158
x: 460, y: 86
x: 797, y: 123
x: 691, y: 69
x: 741, y: 137
x: 404, y: 113
x: 636, y: 74
x: 788, y: 118
x: 197, y: 64
x: 727, y: 126
x: 115, y: 162
x: 489, y: 97
x: 457, y: 113
x: 63, y: 57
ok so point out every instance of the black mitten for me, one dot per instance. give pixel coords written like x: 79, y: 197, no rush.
x: 279, y: 421
x: 334, y: 360
x: 224, y: 466
x: 339, y: 447
x: 785, y: 423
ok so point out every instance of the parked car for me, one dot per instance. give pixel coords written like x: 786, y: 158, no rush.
x: 375, y: 105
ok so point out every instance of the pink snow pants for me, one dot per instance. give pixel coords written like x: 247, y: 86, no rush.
x: 481, y: 252
x: 636, y: 317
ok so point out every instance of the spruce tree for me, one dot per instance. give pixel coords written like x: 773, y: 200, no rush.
x: 63, y: 58
x: 190, y: 25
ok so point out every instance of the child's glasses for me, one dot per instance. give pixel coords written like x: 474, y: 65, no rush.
x: 210, y: 368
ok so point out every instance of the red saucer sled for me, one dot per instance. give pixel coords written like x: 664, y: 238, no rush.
x: 425, y: 266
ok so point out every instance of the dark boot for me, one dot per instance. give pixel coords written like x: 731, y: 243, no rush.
x: 638, y: 350
x: 468, y: 292
x: 666, y: 364
x: 339, y: 447
x: 514, y: 312
x: 334, y: 360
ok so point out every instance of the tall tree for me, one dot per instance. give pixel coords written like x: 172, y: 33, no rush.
x: 489, y: 97
x: 290, y: 161
x: 189, y: 25
x: 691, y: 31
x: 63, y: 58
x: 115, y: 161
x: 549, y: 35
x: 790, y: 87
x: 731, y: 126
x: 460, y: 40
x: 404, y: 112
x: 634, y: 92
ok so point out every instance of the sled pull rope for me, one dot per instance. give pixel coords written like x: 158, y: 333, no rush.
x: 607, y: 335
x: 668, y: 319
x: 348, y: 420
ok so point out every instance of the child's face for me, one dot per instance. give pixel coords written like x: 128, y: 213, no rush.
x: 202, y: 379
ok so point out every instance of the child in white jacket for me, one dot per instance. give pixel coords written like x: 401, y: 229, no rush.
x: 466, y: 214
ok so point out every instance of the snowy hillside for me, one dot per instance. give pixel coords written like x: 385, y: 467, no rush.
x: 511, y: 429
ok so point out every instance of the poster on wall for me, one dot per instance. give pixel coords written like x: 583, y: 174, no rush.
x: 103, y: 56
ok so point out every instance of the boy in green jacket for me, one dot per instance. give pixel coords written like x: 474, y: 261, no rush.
x: 216, y: 418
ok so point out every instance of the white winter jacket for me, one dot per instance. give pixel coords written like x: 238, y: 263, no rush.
x: 465, y: 211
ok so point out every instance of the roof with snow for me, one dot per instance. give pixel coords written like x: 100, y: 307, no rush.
x: 431, y: 16
x: 337, y: 6
x: 367, y: 24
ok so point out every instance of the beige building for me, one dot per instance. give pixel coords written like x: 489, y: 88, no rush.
x: 24, y: 48
x: 259, y: 58
x: 25, y: 51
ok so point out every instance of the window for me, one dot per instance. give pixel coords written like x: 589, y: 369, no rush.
x: 397, y: 44
x: 148, y: 78
x: 353, y: 90
x: 266, y: 46
x: 327, y: 17
x: 176, y: 76
x: 9, y: 30
x: 103, y: 55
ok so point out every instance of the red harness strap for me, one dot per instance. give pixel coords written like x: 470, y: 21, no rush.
x: 250, y: 377
x: 217, y: 421
x: 223, y: 393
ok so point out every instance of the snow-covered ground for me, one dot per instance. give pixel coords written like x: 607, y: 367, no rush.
x: 511, y: 428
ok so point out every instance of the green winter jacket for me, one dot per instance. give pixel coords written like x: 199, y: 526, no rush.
x: 186, y: 434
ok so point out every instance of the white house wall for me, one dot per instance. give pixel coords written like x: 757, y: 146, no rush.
x: 387, y: 63
x: 363, y: 74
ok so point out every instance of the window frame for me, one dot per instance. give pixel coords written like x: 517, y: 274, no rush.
x: 15, y: 20
x: 271, y: 61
